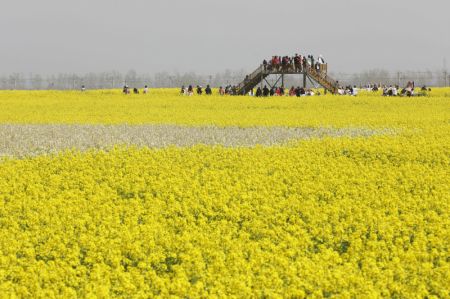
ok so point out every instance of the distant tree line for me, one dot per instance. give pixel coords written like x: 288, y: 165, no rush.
x: 113, y: 79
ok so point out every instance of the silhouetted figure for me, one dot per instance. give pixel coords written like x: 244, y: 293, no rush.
x: 265, y: 64
x: 272, y: 91
x: 258, y: 92
x: 266, y: 91
x: 208, y: 90
x: 297, y: 63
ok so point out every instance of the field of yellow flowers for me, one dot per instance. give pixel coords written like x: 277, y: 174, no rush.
x: 361, y: 210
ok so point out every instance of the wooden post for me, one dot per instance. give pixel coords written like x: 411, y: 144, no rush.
x: 262, y: 76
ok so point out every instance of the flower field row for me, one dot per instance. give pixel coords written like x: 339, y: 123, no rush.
x: 29, y: 140
x: 166, y: 106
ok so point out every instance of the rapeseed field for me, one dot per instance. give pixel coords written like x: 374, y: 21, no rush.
x: 360, y: 214
x: 166, y: 106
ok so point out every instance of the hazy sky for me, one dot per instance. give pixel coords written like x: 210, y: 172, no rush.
x: 208, y: 36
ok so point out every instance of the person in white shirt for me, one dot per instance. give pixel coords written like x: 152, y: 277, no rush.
x: 321, y: 60
x: 394, y: 91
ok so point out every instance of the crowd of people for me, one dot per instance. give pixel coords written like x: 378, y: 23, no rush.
x: 348, y: 90
x: 296, y: 63
x: 388, y: 91
x: 281, y: 91
x: 189, y: 91
x: 394, y: 90
x: 127, y: 90
x: 260, y: 91
x: 227, y: 90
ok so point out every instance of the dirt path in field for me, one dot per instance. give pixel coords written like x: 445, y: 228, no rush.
x: 23, y: 140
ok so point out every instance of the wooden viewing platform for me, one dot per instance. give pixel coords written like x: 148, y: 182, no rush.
x: 262, y: 72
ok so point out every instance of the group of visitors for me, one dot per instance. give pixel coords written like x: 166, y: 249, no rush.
x: 388, y: 91
x: 281, y: 91
x: 408, y: 91
x: 260, y: 92
x: 296, y: 63
x: 127, y: 90
x: 394, y: 90
x: 391, y: 91
x: 228, y: 90
x: 189, y: 91
x: 348, y: 90
x: 372, y: 87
